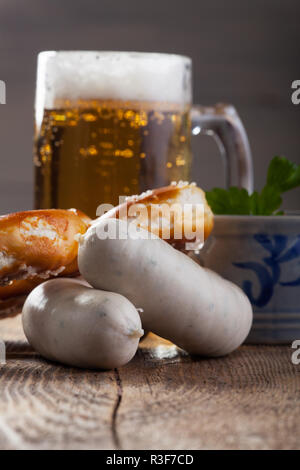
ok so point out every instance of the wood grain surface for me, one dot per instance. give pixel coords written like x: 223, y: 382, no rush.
x: 163, y: 399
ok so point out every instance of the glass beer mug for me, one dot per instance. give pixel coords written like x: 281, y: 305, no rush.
x: 112, y: 124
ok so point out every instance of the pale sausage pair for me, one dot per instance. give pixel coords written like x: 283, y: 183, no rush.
x: 179, y: 300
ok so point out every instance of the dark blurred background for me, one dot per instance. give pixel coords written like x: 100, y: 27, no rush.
x: 244, y: 52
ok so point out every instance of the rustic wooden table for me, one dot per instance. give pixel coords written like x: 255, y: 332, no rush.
x: 162, y: 399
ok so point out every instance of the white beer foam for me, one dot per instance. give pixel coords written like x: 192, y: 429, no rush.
x: 73, y: 75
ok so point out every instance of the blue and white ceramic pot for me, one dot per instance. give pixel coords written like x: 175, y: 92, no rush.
x: 262, y: 255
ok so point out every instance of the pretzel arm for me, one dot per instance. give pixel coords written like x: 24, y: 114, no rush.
x: 39, y: 243
x: 175, y: 194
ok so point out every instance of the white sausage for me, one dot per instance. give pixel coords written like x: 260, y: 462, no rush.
x: 191, y: 306
x: 68, y: 322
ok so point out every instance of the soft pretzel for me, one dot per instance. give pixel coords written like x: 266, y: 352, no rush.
x: 39, y: 244
x: 181, y: 193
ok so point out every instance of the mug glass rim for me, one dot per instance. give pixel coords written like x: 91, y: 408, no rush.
x: 137, y: 54
x: 71, y: 77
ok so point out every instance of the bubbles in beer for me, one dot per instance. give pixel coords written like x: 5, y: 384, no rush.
x: 92, y: 153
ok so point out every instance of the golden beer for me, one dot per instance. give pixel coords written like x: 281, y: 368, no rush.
x: 109, y: 124
x: 94, y: 152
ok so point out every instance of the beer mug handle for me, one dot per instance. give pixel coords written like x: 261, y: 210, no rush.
x: 224, y: 124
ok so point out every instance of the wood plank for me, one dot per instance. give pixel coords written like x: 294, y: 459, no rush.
x: 47, y: 406
x: 163, y: 399
x: 248, y: 400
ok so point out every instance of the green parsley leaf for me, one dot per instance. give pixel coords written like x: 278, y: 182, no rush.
x: 231, y: 201
x: 283, y: 175
x: 266, y: 202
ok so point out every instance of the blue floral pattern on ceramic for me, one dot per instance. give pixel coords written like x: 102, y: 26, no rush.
x: 269, y: 270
